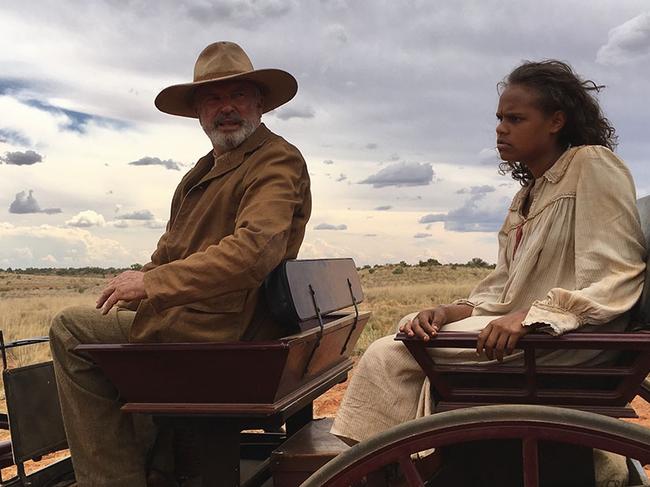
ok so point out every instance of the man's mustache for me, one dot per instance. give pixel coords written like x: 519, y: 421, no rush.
x: 231, y: 118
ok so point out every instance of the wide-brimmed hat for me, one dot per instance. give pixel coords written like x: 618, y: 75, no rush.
x: 226, y: 61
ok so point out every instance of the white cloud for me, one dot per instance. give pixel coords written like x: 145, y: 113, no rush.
x: 137, y: 215
x: 433, y: 218
x: 85, y: 219
x: 156, y: 161
x: 329, y: 226
x: 30, y: 246
x: 401, y: 174
x: 627, y: 43
x: 292, y: 111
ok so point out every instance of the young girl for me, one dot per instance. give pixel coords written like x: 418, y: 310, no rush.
x: 571, y: 251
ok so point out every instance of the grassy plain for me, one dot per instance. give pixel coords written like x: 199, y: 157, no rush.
x: 28, y: 302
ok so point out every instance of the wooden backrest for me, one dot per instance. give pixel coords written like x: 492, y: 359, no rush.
x: 642, y: 314
x: 297, y: 291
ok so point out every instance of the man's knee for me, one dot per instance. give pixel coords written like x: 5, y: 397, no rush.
x: 65, y: 320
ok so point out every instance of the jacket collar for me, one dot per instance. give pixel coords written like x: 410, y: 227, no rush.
x: 230, y: 160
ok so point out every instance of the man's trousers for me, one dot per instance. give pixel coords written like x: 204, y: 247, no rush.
x: 108, y: 447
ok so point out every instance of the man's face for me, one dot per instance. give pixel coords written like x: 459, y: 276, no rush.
x: 229, y: 112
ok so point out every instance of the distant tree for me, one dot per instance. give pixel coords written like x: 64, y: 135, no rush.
x: 478, y: 262
x: 428, y: 263
x: 398, y: 270
x: 136, y: 267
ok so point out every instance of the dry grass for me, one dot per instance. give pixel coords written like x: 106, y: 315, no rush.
x: 27, y: 305
x: 28, y: 302
x: 390, y: 296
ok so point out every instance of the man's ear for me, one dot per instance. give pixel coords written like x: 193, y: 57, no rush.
x: 558, y: 120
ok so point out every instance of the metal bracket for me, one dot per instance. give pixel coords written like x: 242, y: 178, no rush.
x: 356, y: 318
x: 4, y: 351
x: 320, y: 333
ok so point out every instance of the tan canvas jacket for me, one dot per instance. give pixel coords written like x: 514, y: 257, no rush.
x: 231, y: 223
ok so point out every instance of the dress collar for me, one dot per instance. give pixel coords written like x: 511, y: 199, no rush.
x: 554, y: 173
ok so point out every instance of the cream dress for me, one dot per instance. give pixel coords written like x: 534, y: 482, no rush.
x: 579, y: 263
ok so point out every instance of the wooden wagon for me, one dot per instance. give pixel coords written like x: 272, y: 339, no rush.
x: 248, y: 405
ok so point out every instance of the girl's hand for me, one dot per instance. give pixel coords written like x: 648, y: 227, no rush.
x: 500, y: 336
x: 426, y: 323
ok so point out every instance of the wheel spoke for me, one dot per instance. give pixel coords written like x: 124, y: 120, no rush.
x: 531, y: 462
x: 410, y: 472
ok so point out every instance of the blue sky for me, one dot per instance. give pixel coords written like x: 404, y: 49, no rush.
x: 394, y: 115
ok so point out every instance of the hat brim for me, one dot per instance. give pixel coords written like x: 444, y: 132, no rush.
x: 277, y: 86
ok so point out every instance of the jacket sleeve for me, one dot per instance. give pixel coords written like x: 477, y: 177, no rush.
x: 609, y: 249
x: 274, y: 188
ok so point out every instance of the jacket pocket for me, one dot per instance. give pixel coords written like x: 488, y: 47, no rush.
x: 226, y: 303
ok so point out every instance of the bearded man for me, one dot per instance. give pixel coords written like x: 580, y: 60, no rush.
x: 235, y: 215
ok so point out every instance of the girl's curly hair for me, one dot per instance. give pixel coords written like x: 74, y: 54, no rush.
x: 559, y: 88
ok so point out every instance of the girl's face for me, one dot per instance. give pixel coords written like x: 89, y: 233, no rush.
x: 526, y: 134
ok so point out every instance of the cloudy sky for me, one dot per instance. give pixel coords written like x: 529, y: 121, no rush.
x: 394, y: 115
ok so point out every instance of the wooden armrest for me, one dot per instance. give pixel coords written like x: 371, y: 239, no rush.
x: 594, y: 341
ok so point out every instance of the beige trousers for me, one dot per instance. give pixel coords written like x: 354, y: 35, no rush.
x: 108, y: 447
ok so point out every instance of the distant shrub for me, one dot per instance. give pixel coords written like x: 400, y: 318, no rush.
x: 398, y: 270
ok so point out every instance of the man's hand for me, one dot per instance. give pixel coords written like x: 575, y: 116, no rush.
x: 127, y: 286
x: 501, y: 335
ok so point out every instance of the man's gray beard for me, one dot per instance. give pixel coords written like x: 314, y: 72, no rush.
x: 228, y: 142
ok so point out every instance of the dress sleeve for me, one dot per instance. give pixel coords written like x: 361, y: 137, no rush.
x: 609, y: 249
x: 275, y: 189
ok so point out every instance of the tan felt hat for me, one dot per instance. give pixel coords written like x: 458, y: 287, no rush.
x: 226, y: 61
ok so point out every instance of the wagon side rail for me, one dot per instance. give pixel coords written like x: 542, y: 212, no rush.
x: 605, y: 389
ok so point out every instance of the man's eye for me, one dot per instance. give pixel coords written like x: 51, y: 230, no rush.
x: 239, y: 94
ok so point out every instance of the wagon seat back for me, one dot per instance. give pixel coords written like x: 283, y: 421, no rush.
x: 257, y: 380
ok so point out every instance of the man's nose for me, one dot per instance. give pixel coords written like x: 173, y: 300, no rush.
x: 501, y: 129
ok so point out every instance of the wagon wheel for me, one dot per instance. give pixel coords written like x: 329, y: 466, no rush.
x: 530, y: 424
